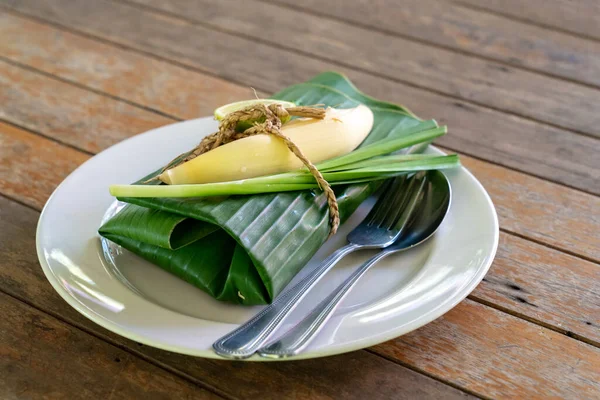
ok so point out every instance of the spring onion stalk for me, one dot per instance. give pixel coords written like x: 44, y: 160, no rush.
x: 385, y: 146
x: 299, y: 180
x: 382, y: 165
x: 376, y: 161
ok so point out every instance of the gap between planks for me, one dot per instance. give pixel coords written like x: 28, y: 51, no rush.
x: 129, y: 350
x: 527, y: 21
x: 408, y: 37
x: 352, y: 67
x: 543, y: 324
x: 428, y: 374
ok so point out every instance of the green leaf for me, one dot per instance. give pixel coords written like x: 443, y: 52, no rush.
x: 158, y: 228
x: 264, y: 239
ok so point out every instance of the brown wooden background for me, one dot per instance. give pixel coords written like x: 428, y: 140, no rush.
x: 517, y: 81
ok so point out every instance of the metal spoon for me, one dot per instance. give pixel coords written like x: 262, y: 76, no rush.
x: 430, y: 213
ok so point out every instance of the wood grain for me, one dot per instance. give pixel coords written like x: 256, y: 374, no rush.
x: 356, y: 375
x: 579, y: 17
x: 115, y: 71
x: 474, y: 32
x: 31, y: 167
x: 541, y: 210
x: 528, y: 206
x: 60, y: 111
x: 521, y: 92
x: 43, y: 358
x: 545, y: 286
x: 538, y: 149
x: 500, y: 356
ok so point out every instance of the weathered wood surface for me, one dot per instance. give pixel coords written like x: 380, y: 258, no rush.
x: 58, y: 110
x: 31, y: 167
x: 477, y: 33
x: 44, y: 358
x: 536, y: 148
x: 546, y: 286
x: 580, y: 17
x: 482, y: 81
x: 115, y: 71
x: 540, y: 210
x: 501, y: 356
x: 81, y: 76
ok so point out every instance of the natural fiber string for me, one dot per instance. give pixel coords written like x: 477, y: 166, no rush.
x: 273, y: 115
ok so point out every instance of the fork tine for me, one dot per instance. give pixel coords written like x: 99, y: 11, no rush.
x: 401, y: 216
x: 373, y: 214
x: 394, y: 196
x: 397, y: 203
x: 378, y: 211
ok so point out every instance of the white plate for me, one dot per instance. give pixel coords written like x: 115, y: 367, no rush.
x: 138, y: 300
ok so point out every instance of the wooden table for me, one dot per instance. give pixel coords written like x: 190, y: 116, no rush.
x: 517, y: 82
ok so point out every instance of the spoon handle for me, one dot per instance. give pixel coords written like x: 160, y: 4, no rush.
x: 296, y: 339
x: 249, y: 337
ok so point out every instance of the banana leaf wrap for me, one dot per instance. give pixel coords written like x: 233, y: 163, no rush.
x: 246, y: 249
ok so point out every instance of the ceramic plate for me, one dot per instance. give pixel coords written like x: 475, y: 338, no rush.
x: 138, y: 300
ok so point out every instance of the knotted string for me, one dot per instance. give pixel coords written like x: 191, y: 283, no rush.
x: 273, y: 115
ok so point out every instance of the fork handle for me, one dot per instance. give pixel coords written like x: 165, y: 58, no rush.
x: 249, y: 337
x: 297, y: 338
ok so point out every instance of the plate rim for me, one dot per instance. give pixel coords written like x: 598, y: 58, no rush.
x: 353, y: 346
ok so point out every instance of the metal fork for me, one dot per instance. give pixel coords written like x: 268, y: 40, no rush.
x: 384, y: 224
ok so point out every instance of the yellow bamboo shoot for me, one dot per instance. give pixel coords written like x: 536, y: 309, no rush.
x: 340, y: 132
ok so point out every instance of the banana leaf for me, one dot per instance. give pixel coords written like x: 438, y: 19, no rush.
x: 246, y: 249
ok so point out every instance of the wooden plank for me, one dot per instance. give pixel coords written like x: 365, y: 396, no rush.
x: 526, y: 205
x: 539, y: 283
x: 521, y: 92
x: 538, y: 149
x: 59, y: 110
x: 500, y: 356
x: 541, y: 210
x: 323, y: 377
x: 546, y: 286
x: 115, y: 71
x: 326, y: 378
x: 580, y: 17
x: 473, y: 32
x: 43, y: 358
x: 31, y: 167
